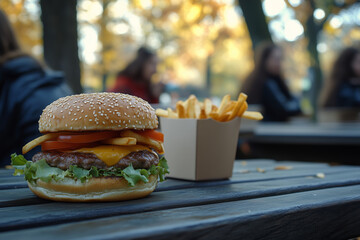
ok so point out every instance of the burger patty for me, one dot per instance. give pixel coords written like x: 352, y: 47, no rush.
x: 63, y: 160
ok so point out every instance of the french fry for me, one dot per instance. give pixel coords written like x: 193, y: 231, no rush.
x: 224, y: 117
x: 214, y: 108
x: 227, y: 111
x: 252, y: 115
x: 243, y: 108
x: 214, y: 115
x: 202, y: 114
x: 191, y: 107
x: 172, y: 114
x: 207, y: 106
x: 241, y: 99
x: 223, y: 104
x: 38, y: 141
x: 197, y: 109
x: 124, y: 141
x: 230, y: 106
x: 161, y: 112
x: 186, y: 108
x: 158, y: 146
x: 180, y: 109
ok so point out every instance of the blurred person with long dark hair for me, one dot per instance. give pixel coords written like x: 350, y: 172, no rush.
x: 135, y: 79
x: 25, y: 90
x: 265, y: 86
x: 343, y: 88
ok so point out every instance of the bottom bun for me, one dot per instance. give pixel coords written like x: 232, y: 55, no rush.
x: 93, y: 190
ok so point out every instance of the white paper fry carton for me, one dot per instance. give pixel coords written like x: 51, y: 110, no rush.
x: 200, y: 149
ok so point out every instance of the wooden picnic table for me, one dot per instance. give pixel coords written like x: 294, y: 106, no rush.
x: 310, y: 133
x: 307, y: 201
x: 328, y: 142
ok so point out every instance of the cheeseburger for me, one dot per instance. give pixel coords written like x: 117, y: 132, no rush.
x: 95, y: 147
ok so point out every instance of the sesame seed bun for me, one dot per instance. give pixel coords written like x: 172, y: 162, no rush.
x: 98, y: 112
x: 93, y: 190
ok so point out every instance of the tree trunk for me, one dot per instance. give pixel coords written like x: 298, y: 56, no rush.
x: 255, y: 21
x: 60, y: 39
x: 311, y: 32
x: 104, y: 34
x: 208, y: 73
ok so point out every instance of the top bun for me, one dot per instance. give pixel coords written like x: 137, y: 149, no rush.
x: 97, y: 112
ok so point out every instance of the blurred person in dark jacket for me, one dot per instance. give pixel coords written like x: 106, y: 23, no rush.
x: 135, y: 79
x: 343, y: 88
x: 25, y: 90
x: 266, y: 86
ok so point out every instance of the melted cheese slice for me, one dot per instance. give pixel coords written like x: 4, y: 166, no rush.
x: 111, y: 154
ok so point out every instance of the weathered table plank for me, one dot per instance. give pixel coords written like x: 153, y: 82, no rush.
x: 271, y: 204
x: 305, y: 215
x: 9, y: 182
x: 331, y: 134
x: 47, y: 214
x: 14, y: 197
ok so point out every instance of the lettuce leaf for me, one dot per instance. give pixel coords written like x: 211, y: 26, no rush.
x: 134, y: 176
x: 19, y: 162
x: 41, y: 170
x: 79, y: 173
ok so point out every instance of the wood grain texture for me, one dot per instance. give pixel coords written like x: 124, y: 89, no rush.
x: 46, y: 214
x: 298, y: 170
x: 320, y: 214
x: 274, y: 204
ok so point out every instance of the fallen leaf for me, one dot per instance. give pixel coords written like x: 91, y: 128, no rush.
x: 244, y: 163
x: 283, y: 168
x: 244, y: 171
x: 260, y: 170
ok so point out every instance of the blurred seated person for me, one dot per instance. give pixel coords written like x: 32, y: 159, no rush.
x: 135, y: 79
x: 343, y: 88
x: 266, y: 86
x: 25, y: 90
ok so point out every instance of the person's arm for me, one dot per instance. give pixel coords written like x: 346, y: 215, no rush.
x: 32, y: 109
x: 277, y: 104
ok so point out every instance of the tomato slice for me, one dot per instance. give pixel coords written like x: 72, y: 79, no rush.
x: 56, y: 145
x: 158, y: 136
x: 87, y: 137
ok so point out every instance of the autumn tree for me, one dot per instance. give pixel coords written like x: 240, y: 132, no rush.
x: 313, y: 27
x: 27, y: 25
